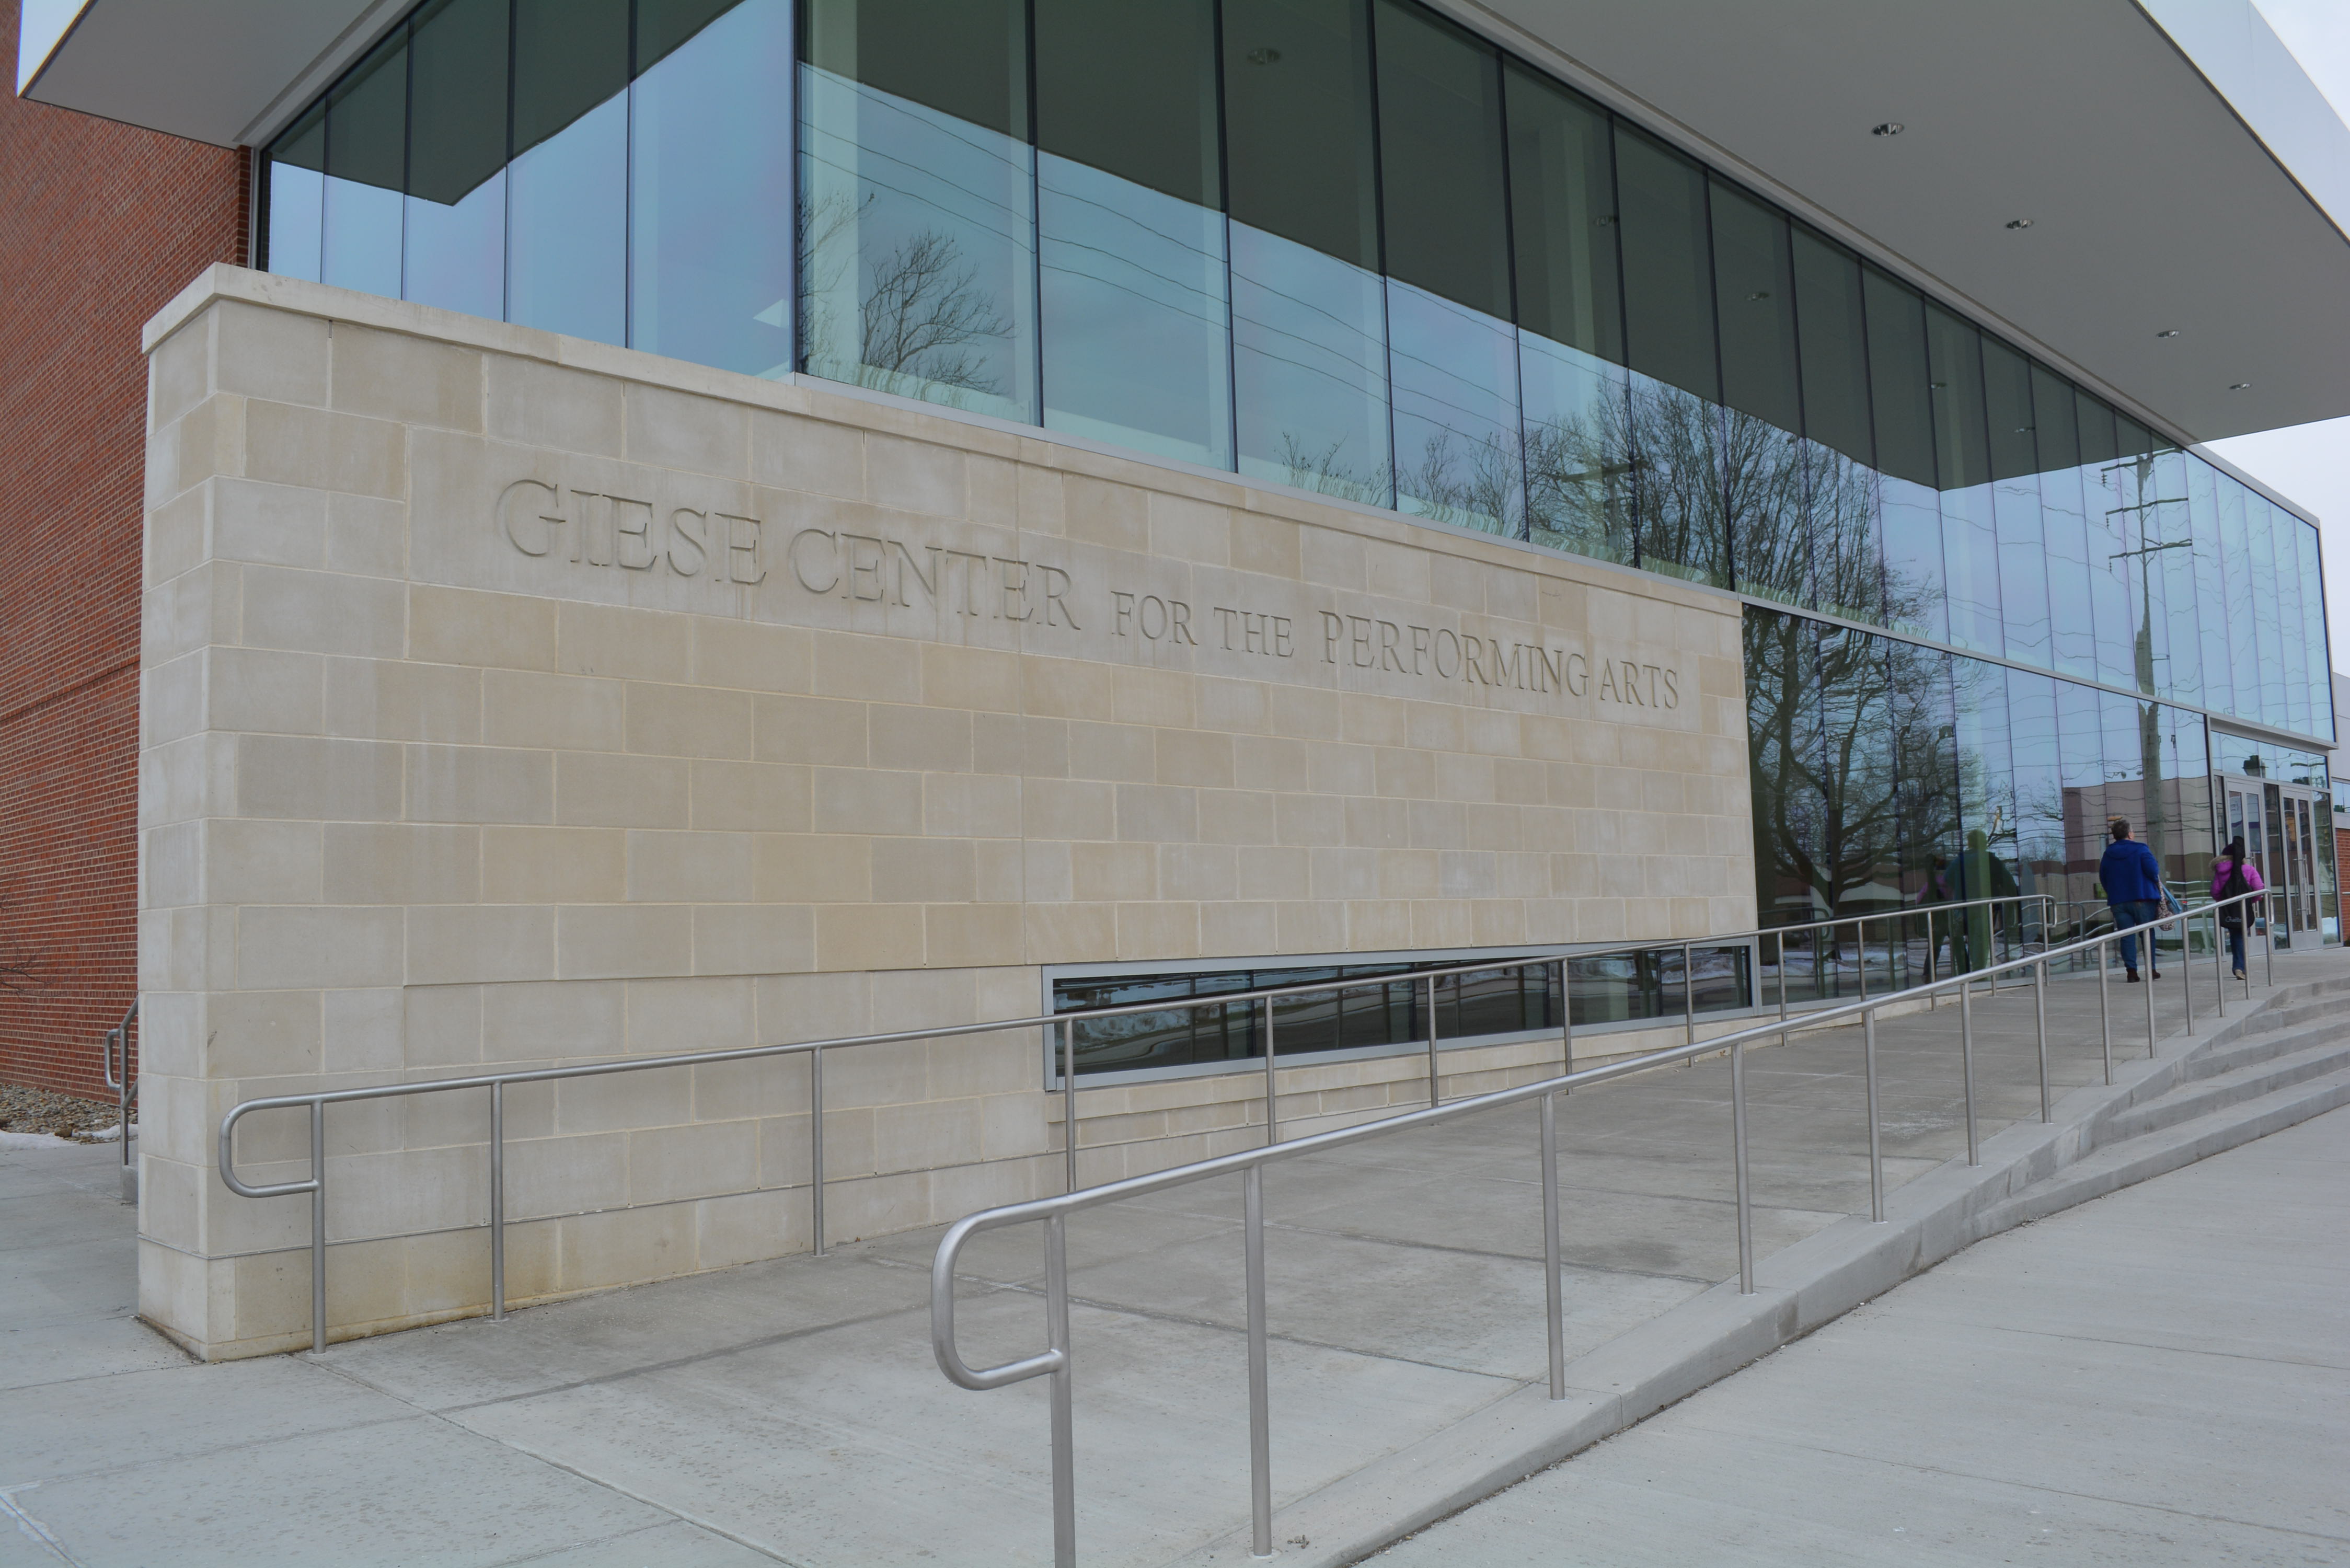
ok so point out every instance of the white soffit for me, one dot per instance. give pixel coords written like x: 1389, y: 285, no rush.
x: 222, y: 71
x: 2152, y: 206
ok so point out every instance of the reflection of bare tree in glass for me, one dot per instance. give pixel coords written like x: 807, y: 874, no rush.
x: 1578, y: 469
x: 1676, y: 485
x: 922, y: 313
x: 1320, y: 470
x: 1854, y: 766
x: 1478, y: 490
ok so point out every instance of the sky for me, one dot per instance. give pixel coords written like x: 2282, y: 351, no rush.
x: 2310, y: 464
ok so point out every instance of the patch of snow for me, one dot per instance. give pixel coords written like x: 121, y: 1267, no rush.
x: 11, y: 1140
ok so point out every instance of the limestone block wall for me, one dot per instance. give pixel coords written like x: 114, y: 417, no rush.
x: 515, y: 701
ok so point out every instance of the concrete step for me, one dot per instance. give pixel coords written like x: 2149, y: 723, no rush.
x: 2247, y: 1081
x: 2124, y: 1164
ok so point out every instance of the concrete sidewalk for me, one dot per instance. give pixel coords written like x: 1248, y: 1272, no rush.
x: 791, y: 1411
x: 2159, y: 1376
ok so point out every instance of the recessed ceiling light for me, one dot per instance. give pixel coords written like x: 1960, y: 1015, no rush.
x: 1890, y: 128
x: 2239, y: 385
x: 2018, y: 222
x: 2168, y: 332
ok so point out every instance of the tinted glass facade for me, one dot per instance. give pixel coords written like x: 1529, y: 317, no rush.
x: 1350, y: 247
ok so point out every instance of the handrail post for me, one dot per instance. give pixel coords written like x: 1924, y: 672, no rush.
x: 1565, y: 1019
x: 2268, y: 933
x: 498, y: 1201
x: 1271, y: 1091
x: 815, y: 1149
x: 1860, y: 951
x: 1260, y: 1396
x: 1553, y: 1302
x: 2105, y: 1012
x: 318, y: 1225
x: 2219, y: 973
x: 1967, y: 1060
x: 1737, y: 1152
x: 1781, y: 940
x: 1064, y: 1442
x: 1069, y: 1098
x: 1688, y: 995
x: 2040, y: 1018
x: 1876, y: 1152
x: 1434, y: 1096
x: 2186, y: 972
x: 2147, y: 935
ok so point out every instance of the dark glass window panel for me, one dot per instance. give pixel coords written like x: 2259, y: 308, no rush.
x: 1455, y: 376
x: 1677, y: 455
x: 1562, y: 215
x: 2063, y: 525
x: 664, y: 26
x: 918, y: 271
x: 1298, y: 128
x: 1134, y: 319
x: 1669, y: 325
x: 570, y: 57
x: 1379, y: 1004
x: 454, y: 231
x: 1784, y: 757
x: 367, y: 119
x: 1439, y: 98
x: 2081, y: 766
x: 968, y: 59
x: 1129, y: 86
x: 710, y: 209
x: 296, y: 197
x: 457, y: 103
x: 2038, y: 787
x: 367, y: 136
x: 1841, y: 531
x: 1754, y: 293
x: 1763, y: 475
x: 2097, y: 425
x: 2312, y: 620
x: 1833, y: 338
x: 1310, y: 368
x: 2243, y: 640
x: 2131, y: 439
x: 1577, y: 449
x: 2015, y: 504
x: 1900, y: 387
x: 2210, y: 584
x: 2113, y: 612
x: 567, y: 230
x: 1866, y: 804
x: 2007, y: 392
x: 1900, y: 399
x: 2179, y: 676
x: 1962, y: 444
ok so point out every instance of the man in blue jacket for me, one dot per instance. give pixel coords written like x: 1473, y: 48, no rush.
x: 2134, y: 890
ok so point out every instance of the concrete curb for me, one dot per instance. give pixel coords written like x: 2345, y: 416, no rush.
x: 2028, y: 1171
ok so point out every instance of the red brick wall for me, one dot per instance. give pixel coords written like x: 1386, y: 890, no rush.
x: 99, y: 225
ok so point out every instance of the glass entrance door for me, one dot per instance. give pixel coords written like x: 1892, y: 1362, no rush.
x: 2279, y: 824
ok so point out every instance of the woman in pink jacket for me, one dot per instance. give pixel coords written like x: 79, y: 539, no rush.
x: 2232, y: 876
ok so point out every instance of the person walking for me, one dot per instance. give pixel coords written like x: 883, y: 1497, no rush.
x: 2232, y: 876
x: 2133, y: 891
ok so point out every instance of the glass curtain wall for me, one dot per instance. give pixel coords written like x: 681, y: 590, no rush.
x: 1889, y: 778
x: 1342, y: 244
x: 606, y: 170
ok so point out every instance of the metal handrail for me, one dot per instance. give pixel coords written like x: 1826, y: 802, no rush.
x: 497, y: 1082
x: 1054, y: 1361
x: 124, y: 1084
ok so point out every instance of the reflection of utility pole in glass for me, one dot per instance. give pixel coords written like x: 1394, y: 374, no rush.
x: 2149, y: 720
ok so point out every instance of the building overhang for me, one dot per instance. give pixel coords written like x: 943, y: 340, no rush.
x: 2158, y: 203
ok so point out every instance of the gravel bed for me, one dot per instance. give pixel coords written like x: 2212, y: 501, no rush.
x: 47, y: 1111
